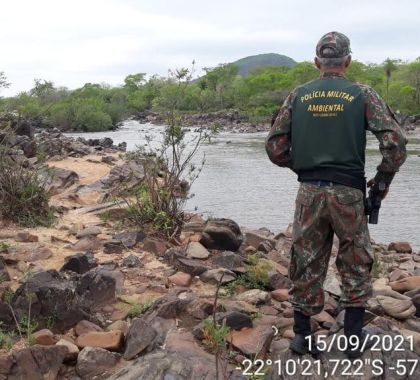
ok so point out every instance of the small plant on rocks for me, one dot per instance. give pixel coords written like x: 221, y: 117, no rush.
x: 169, y: 165
x: 23, y: 198
x: 139, y: 309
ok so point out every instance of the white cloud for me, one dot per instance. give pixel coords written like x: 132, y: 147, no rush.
x: 73, y: 42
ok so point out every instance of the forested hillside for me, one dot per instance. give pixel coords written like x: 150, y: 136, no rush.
x: 96, y: 107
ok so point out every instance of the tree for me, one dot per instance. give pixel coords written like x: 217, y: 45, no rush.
x: 3, y: 80
x: 134, y: 81
x: 390, y: 65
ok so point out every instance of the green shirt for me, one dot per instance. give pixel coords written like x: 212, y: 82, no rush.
x: 378, y: 118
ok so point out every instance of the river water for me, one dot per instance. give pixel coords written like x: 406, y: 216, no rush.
x: 239, y: 182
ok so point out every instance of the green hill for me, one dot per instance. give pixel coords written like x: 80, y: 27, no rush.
x: 271, y: 59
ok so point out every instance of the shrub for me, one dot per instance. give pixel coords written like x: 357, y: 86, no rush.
x: 23, y: 198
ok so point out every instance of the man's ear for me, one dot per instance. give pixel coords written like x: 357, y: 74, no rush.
x: 348, y: 61
x: 317, y: 63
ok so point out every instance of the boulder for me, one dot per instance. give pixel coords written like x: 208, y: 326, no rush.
x: 154, y: 246
x: 216, y: 275
x: 73, y: 350
x: 84, y: 327
x: 130, y: 238
x: 196, y: 250
x: 399, y: 309
x: 180, y: 279
x: 50, y: 294
x: 254, y: 297
x: 406, y: 284
x: 77, y: 263
x: 37, y: 363
x: 140, y: 335
x: 228, y: 260
x: 94, y: 361
x: 223, y: 234
x: 88, y: 231
x: 96, y: 288
x: 255, y: 238
x: 113, y: 247
x: 192, y: 266
x: 58, y: 179
x: 109, y: 340
x: 44, y: 337
x: 252, y: 342
x: 400, y: 247
x: 131, y: 261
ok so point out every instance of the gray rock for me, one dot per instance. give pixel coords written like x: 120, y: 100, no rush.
x: 191, y: 266
x: 89, y: 231
x: 113, y: 247
x: 131, y: 261
x: 51, y: 294
x: 400, y: 309
x: 215, y: 275
x: 37, y: 362
x: 223, y: 234
x: 254, y: 297
x: 96, y: 288
x: 93, y: 361
x: 131, y: 238
x: 139, y: 336
x: 228, y: 260
x: 196, y: 250
x: 77, y: 263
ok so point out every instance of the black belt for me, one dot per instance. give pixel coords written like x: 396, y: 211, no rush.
x: 332, y: 175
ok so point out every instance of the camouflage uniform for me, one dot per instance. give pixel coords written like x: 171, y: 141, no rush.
x: 323, y: 211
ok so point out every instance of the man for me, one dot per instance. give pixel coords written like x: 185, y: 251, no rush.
x: 320, y: 134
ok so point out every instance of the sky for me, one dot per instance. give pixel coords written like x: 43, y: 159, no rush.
x: 79, y: 41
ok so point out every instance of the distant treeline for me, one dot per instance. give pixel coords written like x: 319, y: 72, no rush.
x: 98, y: 107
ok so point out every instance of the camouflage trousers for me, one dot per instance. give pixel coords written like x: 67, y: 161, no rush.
x: 321, y: 212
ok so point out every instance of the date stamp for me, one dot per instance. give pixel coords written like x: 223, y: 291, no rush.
x: 341, y: 367
x: 373, y: 342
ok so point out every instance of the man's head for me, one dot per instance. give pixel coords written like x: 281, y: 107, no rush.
x: 333, y: 52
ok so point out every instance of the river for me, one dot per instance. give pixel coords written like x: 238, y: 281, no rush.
x: 239, y: 182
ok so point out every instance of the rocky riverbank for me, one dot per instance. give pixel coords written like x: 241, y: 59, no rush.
x: 226, y: 121
x: 98, y: 300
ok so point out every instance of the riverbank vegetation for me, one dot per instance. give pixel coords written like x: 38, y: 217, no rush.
x: 98, y: 107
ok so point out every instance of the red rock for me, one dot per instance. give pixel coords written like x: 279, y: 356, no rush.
x: 400, y: 247
x: 251, y: 341
x: 154, y: 246
x: 84, y: 327
x: 110, y: 340
x: 44, y: 337
x: 280, y: 295
x: 406, y: 284
x: 26, y: 237
x: 40, y: 253
x: 180, y: 279
x: 397, y: 274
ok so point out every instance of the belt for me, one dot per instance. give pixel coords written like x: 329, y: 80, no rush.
x: 320, y: 183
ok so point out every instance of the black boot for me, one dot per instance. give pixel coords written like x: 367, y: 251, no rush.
x: 353, y: 326
x: 302, y: 329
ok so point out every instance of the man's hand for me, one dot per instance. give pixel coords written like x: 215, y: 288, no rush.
x: 372, y: 183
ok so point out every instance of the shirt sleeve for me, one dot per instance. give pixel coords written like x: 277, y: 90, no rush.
x: 392, y: 141
x: 278, y: 141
